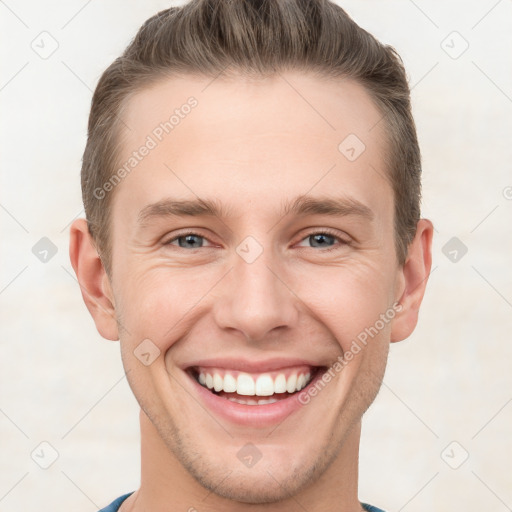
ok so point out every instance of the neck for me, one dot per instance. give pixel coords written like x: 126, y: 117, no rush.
x: 167, y: 486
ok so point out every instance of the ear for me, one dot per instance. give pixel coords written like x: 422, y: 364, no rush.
x: 413, y: 281
x: 94, y: 283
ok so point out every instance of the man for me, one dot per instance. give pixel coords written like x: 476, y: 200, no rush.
x: 253, y: 238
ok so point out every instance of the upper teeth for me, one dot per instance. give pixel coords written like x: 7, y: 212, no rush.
x: 246, y: 384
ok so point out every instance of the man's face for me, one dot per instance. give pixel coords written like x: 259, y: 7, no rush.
x: 255, y: 294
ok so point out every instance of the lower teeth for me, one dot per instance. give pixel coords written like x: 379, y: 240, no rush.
x: 251, y: 401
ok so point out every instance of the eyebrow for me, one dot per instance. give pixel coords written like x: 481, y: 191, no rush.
x: 301, y: 206
x: 337, y: 207
x: 181, y: 208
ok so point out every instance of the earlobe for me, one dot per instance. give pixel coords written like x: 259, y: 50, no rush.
x: 94, y: 283
x: 414, y: 277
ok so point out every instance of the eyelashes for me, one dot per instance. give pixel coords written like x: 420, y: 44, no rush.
x: 330, y: 234
x: 325, y: 233
x: 185, y: 235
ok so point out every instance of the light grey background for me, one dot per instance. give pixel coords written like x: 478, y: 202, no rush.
x: 447, y: 390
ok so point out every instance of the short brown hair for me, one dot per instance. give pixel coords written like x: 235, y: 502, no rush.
x: 259, y: 38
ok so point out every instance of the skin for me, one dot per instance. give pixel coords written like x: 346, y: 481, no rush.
x: 252, y: 145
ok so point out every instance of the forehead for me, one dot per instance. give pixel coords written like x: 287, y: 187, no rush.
x: 245, y: 140
x: 290, y: 102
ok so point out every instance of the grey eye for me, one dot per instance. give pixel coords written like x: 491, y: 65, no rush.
x: 190, y: 241
x: 321, y: 240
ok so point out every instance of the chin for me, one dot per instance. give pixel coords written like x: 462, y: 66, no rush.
x: 255, y: 486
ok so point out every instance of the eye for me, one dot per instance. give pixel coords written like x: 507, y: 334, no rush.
x: 188, y: 241
x: 323, y: 239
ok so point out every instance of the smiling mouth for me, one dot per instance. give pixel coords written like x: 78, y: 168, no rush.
x: 254, y: 389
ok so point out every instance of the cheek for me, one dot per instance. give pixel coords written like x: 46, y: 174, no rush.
x: 156, y: 302
x: 350, y: 300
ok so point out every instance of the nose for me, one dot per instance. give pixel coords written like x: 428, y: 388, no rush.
x: 255, y: 300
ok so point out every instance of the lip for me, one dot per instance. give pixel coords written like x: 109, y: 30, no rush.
x: 244, y: 365
x: 257, y: 416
